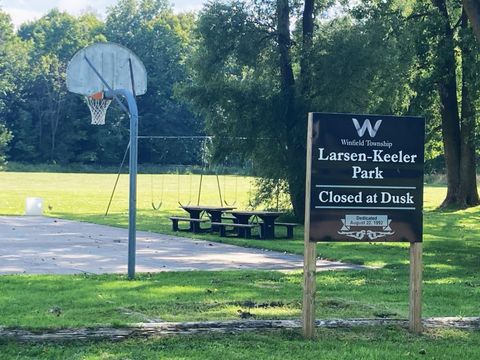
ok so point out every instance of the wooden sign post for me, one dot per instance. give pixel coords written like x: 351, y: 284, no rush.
x: 364, y: 183
x: 310, y: 253
x: 415, y: 298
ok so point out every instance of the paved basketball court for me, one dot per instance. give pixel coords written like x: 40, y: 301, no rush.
x: 43, y: 245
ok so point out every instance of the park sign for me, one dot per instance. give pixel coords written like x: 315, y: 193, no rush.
x: 364, y: 183
x: 365, y: 177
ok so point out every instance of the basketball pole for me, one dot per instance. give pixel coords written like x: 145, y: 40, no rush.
x: 108, y: 56
x: 133, y: 165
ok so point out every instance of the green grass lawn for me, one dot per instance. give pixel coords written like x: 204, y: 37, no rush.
x: 87, y: 195
x: 451, y: 282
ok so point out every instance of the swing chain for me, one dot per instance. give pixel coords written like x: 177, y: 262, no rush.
x: 225, y: 191
x: 178, y: 190
x: 154, y: 206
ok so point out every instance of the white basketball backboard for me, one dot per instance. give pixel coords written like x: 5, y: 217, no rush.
x: 112, y: 61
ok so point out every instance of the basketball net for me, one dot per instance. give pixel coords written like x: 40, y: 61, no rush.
x: 98, y: 106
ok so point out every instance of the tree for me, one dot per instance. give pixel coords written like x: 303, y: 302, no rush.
x: 445, y: 84
x: 6, y: 37
x: 5, y: 137
x: 458, y: 121
x: 242, y: 80
x: 49, y: 123
x: 12, y: 60
x: 161, y: 39
x: 254, y: 79
x: 53, y: 94
x: 472, y: 9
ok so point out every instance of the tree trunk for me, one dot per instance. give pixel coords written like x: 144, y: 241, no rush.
x: 295, y: 172
x: 307, y: 28
x: 472, y: 8
x: 447, y: 86
x: 147, y: 330
x: 295, y: 111
x: 54, y: 121
x: 468, y: 194
x: 298, y: 149
x: 283, y: 38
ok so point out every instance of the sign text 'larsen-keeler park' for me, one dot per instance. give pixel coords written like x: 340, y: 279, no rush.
x: 378, y: 156
x: 366, y: 178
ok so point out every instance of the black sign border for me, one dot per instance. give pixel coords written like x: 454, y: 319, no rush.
x: 308, y: 195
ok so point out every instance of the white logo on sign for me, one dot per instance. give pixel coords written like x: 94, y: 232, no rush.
x: 372, y: 131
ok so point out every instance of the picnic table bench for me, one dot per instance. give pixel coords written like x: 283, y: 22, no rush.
x: 194, y: 223
x: 289, y: 227
x: 229, y: 218
x: 242, y: 230
x: 215, y: 213
x: 267, y: 224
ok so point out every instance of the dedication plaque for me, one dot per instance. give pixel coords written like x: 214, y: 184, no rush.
x: 366, y: 177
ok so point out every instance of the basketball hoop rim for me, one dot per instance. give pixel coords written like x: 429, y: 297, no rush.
x: 101, y: 95
x: 97, y: 96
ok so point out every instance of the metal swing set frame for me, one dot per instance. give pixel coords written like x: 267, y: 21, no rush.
x: 222, y: 198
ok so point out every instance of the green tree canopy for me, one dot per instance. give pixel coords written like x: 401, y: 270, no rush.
x: 46, y: 121
x: 161, y: 39
x: 52, y: 125
x: 253, y: 80
x: 12, y: 67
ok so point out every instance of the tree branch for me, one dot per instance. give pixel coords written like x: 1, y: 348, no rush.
x: 419, y: 15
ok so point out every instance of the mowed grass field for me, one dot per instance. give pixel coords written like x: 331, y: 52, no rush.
x: 87, y: 195
x: 451, y: 282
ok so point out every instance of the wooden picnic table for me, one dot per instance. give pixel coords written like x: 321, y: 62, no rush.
x: 214, y: 212
x: 268, y: 218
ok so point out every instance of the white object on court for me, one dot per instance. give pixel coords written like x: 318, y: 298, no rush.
x: 34, y: 206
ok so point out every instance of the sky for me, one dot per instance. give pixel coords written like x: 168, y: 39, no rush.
x: 25, y: 10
